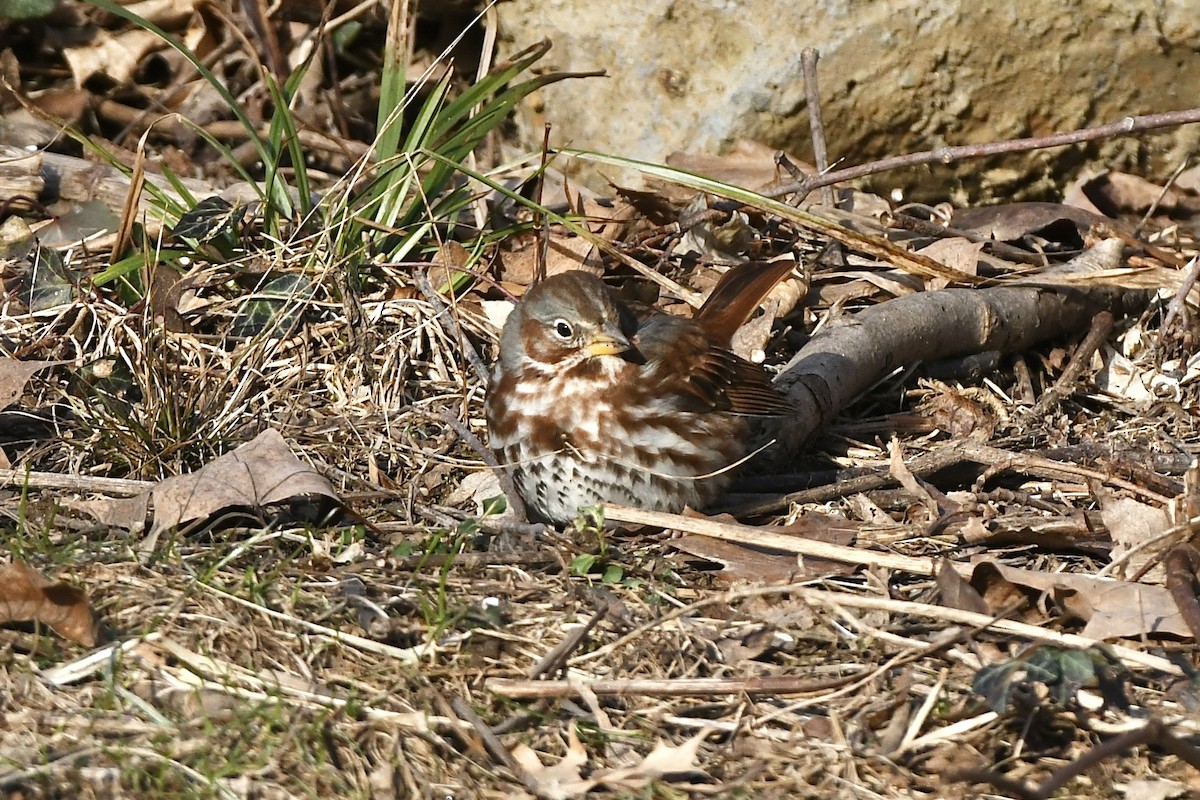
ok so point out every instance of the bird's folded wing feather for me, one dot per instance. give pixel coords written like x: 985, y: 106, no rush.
x: 701, y: 377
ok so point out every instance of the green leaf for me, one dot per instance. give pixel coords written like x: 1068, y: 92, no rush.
x: 211, y: 218
x: 613, y: 574
x: 25, y: 9
x: 276, y: 309
x: 582, y: 564
x: 495, y: 505
x: 49, y: 282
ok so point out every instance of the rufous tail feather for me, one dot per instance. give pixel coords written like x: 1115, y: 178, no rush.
x: 737, y: 294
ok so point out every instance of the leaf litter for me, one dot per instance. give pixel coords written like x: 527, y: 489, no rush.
x: 377, y: 634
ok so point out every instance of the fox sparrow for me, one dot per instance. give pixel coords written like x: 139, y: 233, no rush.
x: 593, y: 400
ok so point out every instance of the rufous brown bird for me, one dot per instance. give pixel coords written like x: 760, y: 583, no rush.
x: 596, y: 401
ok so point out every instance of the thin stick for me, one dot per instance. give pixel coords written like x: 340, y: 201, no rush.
x: 491, y: 742
x: 518, y: 689
x: 558, y: 655
x: 747, y: 535
x: 1179, y: 301
x: 1102, y: 325
x: 812, y: 95
x: 948, y: 155
x: 542, y: 253
x: 123, y: 487
x: 425, y: 286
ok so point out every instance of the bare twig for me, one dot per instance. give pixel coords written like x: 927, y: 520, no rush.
x: 425, y: 286
x: 495, y: 748
x: 1179, y: 301
x: 812, y: 94
x: 948, y: 155
x: 558, y: 655
x: 665, y: 687
x: 1102, y: 325
x: 831, y: 599
x: 503, y: 474
x: 1182, y: 564
x: 1153, y: 733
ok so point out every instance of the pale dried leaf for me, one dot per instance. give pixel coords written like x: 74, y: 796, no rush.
x: 26, y: 595
x: 257, y: 474
x: 557, y: 781
x: 1152, y: 789
x: 1124, y: 378
x: 1131, y: 523
x: 14, y: 374
x: 476, y: 486
x: 956, y: 253
x: 716, y: 240
x: 1113, y: 609
x: 748, y: 164
x: 116, y: 56
x: 496, y: 311
x: 661, y: 763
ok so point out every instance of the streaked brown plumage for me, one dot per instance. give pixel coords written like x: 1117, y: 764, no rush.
x: 593, y: 401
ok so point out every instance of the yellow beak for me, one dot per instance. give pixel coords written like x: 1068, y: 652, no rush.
x: 606, y: 344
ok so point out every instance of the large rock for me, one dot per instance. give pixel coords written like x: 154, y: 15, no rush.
x: 897, y: 76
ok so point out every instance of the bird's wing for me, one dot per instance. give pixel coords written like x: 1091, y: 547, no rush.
x: 682, y: 364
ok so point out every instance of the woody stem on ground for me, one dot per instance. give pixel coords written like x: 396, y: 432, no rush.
x: 948, y: 155
x: 812, y: 95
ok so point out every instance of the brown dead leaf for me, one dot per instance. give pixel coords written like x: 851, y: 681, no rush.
x: 1001, y: 595
x: 959, y: 413
x: 740, y: 563
x: 1131, y: 523
x: 1113, y: 193
x: 748, y: 164
x: 664, y: 762
x: 758, y: 565
x: 956, y: 253
x: 14, y: 374
x: 260, y: 473
x: 564, y: 252
x: 26, y: 596
x: 1113, y: 609
x: 555, y: 781
x: 1012, y: 222
x: 955, y: 592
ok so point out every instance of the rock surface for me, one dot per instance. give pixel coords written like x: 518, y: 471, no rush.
x: 898, y: 76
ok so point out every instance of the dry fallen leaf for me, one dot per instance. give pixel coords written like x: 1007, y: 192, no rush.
x: 751, y: 564
x: 116, y: 56
x: 26, y: 595
x: 662, y: 763
x: 1113, y: 609
x: 555, y: 781
x: 15, y: 374
x: 1131, y: 523
x: 257, y: 474
x: 954, y: 252
x: 955, y: 592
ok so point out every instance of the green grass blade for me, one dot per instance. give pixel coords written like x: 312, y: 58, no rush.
x: 394, y: 75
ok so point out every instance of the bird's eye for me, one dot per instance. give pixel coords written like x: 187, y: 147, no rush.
x: 563, y: 329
